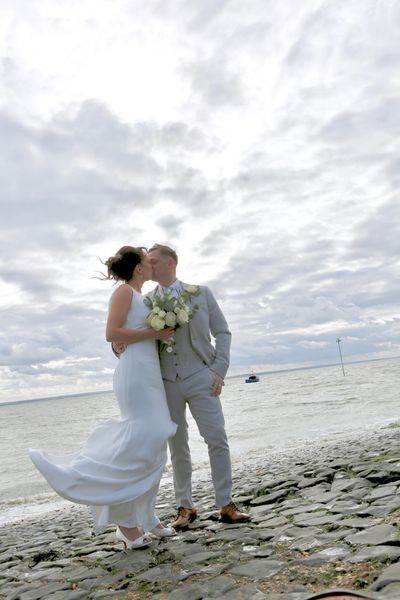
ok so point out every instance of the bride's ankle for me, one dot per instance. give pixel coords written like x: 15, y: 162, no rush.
x: 131, y: 532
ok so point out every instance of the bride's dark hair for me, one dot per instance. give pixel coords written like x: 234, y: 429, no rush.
x: 121, y: 266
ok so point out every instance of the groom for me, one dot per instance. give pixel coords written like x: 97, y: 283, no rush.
x: 193, y: 375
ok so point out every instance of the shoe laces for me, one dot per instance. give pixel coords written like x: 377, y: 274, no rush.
x: 230, y: 507
x: 182, y: 511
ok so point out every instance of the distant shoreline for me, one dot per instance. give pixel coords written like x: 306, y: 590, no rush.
x: 324, y: 366
x: 237, y: 376
x: 61, y: 397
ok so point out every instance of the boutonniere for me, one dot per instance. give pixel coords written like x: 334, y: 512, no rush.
x: 189, y: 291
x: 192, y: 290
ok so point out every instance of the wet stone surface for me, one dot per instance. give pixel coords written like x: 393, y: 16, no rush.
x: 325, y: 517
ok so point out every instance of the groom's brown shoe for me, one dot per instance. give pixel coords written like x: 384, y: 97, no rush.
x: 183, y: 518
x: 231, y: 514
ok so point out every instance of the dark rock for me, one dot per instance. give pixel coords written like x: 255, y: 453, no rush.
x: 379, y: 510
x: 320, y: 496
x: 331, y: 554
x: 273, y: 521
x: 375, y: 553
x: 181, y: 549
x: 381, y: 492
x: 163, y: 573
x: 389, y: 575
x: 373, y: 536
x: 261, y: 511
x: 245, y: 592
x: 216, y: 587
x: 345, y: 485
x: 44, y: 591
x: 192, y: 591
x: 259, y: 568
x: 391, y: 591
x: 244, y: 499
x: 292, y: 533
x: 230, y: 535
x: 384, y: 475
x: 315, y: 490
x: 102, y: 594
x: 358, y: 523
x: 307, y: 543
x: 201, y: 557
x: 134, y: 563
x: 84, y: 573
x: 303, y: 508
x: 323, y: 520
x: 269, y: 498
x: 347, y: 508
x: 309, y: 481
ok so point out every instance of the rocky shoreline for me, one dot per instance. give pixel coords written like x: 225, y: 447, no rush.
x: 325, y: 516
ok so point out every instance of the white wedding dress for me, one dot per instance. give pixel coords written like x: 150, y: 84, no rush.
x: 118, y: 471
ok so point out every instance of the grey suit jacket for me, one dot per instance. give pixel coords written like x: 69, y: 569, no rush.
x: 208, y: 319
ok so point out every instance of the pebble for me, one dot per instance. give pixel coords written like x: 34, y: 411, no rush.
x: 321, y: 515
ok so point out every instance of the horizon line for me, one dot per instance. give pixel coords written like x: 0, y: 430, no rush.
x: 268, y: 372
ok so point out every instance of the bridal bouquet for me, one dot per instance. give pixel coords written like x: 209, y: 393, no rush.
x: 171, y: 311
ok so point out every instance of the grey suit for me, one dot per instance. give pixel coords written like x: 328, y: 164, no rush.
x: 188, y: 374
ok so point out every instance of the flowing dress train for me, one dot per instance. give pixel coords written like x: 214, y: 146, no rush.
x: 117, y: 473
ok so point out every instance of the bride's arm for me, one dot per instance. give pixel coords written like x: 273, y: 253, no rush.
x: 119, y: 307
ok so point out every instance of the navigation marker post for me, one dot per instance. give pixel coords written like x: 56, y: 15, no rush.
x: 341, y: 357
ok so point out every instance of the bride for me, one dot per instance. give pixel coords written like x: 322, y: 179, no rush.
x: 117, y: 473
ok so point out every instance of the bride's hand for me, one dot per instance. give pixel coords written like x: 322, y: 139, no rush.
x: 118, y: 347
x: 166, y: 335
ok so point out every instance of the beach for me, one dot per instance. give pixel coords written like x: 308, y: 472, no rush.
x: 325, y: 515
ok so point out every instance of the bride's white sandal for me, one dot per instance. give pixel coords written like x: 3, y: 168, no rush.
x: 163, y: 532
x: 141, y: 542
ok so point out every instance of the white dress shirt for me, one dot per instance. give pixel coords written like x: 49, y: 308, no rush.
x: 175, y: 287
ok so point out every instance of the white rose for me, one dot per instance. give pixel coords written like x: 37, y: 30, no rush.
x: 182, y: 316
x: 170, y: 319
x: 162, y: 313
x: 176, y: 309
x: 156, y: 310
x: 157, y: 323
x: 192, y: 289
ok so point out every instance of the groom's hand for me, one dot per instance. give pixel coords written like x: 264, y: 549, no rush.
x: 217, y: 385
x: 118, y: 347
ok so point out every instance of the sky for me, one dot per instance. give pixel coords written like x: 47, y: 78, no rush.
x: 260, y: 139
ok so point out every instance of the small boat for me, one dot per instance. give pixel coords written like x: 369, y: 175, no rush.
x: 252, y: 379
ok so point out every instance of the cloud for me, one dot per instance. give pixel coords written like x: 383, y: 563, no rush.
x: 214, y: 83
x: 312, y: 345
x: 260, y: 141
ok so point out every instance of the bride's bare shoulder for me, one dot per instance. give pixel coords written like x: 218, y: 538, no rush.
x: 123, y: 291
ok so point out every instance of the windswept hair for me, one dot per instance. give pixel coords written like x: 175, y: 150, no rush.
x: 165, y: 251
x: 122, y: 265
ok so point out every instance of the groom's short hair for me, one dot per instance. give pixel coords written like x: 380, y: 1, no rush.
x: 165, y: 251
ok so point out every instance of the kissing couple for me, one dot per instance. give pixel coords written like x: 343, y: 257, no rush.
x: 118, y: 471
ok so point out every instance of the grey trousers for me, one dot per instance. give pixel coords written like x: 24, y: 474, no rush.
x: 195, y: 391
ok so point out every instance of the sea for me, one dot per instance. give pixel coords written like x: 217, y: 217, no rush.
x: 284, y: 411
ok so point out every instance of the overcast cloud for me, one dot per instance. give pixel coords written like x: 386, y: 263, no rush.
x: 260, y: 139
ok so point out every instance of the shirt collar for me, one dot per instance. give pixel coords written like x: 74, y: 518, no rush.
x: 175, y: 286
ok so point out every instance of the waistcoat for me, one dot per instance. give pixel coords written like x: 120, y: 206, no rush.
x: 183, y: 361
